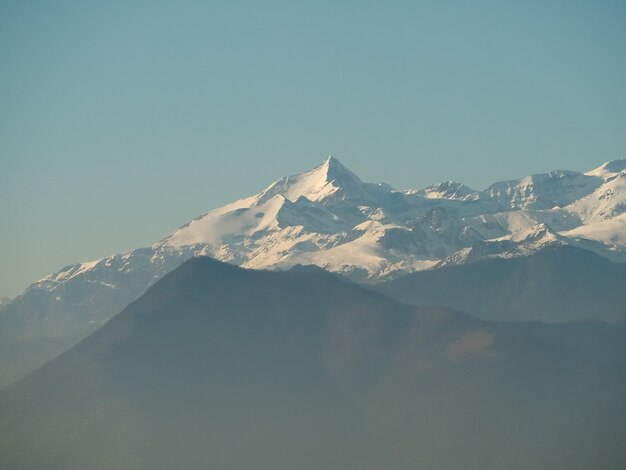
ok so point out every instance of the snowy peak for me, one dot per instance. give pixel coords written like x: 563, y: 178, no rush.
x: 449, y: 190
x: 330, y: 180
x: 335, y: 171
x: 609, y: 169
x: 606, y: 202
x: 543, y: 191
x: 298, y: 202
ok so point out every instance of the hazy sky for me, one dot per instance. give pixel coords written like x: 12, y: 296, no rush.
x: 120, y: 121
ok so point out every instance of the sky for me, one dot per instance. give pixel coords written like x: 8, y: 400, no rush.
x: 122, y: 120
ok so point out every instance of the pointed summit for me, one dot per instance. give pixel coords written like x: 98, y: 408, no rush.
x: 335, y: 171
x: 328, y: 179
x: 330, y: 162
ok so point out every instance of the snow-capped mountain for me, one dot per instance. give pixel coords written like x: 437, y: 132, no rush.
x: 329, y: 217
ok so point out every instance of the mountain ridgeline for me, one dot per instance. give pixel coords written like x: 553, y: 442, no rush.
x: 556, y: 284
x: 328, y: 217
x: 221, y: 367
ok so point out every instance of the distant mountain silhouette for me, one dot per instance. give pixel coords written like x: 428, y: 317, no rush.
x: 558, y: 283
x: 221, y: 367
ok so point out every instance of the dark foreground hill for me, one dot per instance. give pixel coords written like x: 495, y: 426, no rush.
x: 219, y: 367
x: 558, y: 283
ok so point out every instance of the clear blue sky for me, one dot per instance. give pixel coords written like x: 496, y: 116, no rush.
x: 120, y: 121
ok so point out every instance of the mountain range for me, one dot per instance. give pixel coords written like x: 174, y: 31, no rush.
x: 216, y: 366
x: 559, y: 283
x: 328, y: 217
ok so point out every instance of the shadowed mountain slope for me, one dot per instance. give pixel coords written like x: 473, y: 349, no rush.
x: 220, y: 367
x: 558, y: 283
